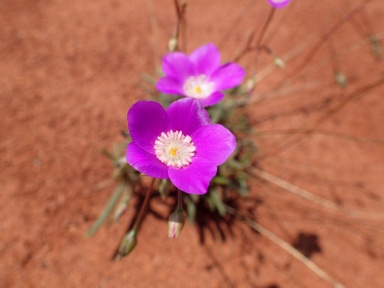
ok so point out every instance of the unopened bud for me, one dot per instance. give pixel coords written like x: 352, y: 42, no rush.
x: 172, y: 45
x: 176, y: 223
x: 250, y: 85
x: 127, y: 244
x: 341, y: 79
x: 279, y: 62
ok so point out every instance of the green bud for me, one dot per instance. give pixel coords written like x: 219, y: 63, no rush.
x: 176, y: 223
x: 172, y: 44
x: 279, y: 62
x: 341, y: 80
x: 250, y: 85
x: 127, y: 244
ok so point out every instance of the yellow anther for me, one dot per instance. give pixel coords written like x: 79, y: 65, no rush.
x: 198, y: 90
x: 173, y: 151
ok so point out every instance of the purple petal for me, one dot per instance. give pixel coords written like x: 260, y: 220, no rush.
x: 213, y: 99
x: 214, y: 142
x: 195, y: 178
x: 169, y: 85
x: 177, y: 66
x: 278, y: 3
x: 145, y: 162
x: 146, y: 121
x: 227, y: 76
x: 206, y: 59
x: 187, y: 115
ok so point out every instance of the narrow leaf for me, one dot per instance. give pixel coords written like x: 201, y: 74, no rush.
x: 107, y: 210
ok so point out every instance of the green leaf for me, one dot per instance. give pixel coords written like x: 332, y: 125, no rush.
x: 109, y: 155
x: 123, y: 204
x: 107, y: 210
x: 218, y: 203
x: 221, y: 180
x: 191, y: 211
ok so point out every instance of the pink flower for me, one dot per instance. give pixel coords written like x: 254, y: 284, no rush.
x: 278, y: 3
x: 199, y: 75
x: 178, y: 143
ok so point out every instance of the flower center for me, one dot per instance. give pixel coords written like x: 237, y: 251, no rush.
x: 198, y: 87
x: 174, y: 149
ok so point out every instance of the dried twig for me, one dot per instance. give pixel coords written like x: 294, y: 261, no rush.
x: 286, y: 246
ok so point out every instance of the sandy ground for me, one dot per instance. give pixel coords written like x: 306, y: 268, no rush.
x: 69, y: 72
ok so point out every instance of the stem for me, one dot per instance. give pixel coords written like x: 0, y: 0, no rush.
x: 144, y: 206
x: 179, y: 200
x: 248, y: 46
x: 265, y: 27
x: 176, y: 32
x: 332, y: 52
x: 329, y: 32
x: 309, y: 128
x: 284, y: 245
x: 180, y: 12
x: 314, y: 198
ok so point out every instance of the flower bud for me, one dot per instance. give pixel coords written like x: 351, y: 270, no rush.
x: 341, y: 80
x: 279, y: 62
x: 278, y: 3
x: 176, y: 223
x: 250, y: 85
x: 127, y: 244
x: 172, y: 44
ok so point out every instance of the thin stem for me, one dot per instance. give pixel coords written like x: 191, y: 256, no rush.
x: 265, y: 27
x: 307, y: 129
x: 321, y: 132
x: 284, y: 245
x: 179, y: 200
x: 332, y: 52
x: 330, y: 31
x: 144, y: 206
x: 314, y: 198
x: 277, y: 240
x: 248, y: 46
x: 180, y: 12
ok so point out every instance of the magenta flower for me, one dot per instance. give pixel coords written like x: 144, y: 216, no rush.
x: 178, y: 143
x: 278, y: 3
x: 199, y: 75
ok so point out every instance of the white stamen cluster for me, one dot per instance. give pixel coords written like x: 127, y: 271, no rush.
x: 198, y: 87
x: 174, y: 149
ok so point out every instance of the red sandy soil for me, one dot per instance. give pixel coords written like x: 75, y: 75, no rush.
x: 70, y: 71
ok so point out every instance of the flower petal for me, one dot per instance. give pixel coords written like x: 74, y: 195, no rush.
x: 169, y: 85
x: 177, y: 66
x: 278, y: 3
x: 228, y: 76
x: 212, y: 99
x: 187, y: 115
x: 214, y: 142
x: 195, y: 178
x: 145, y: 162
x: 146, y: 121
x: 206, y: 59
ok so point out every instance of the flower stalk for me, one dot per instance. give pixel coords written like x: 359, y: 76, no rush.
x: 176, y: 219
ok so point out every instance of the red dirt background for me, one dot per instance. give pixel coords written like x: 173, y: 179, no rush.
x: 69, y: 72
